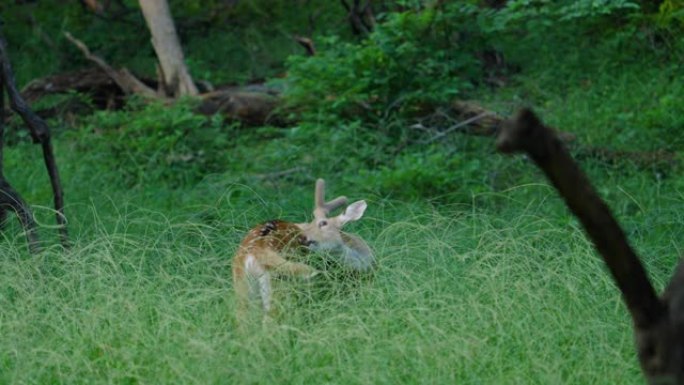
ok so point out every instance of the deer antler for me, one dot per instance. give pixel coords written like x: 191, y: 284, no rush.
x: 322, y: 206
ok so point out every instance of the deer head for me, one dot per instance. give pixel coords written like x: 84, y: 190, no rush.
x: 325, y: 233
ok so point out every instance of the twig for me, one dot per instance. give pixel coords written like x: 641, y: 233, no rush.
x: 455, y: 127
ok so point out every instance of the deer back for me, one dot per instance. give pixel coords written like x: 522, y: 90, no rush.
x: 275, y: 235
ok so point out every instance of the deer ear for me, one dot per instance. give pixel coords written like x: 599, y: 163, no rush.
x: 353, y: 212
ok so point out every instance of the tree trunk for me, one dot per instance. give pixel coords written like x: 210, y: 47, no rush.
x: 167, y: 46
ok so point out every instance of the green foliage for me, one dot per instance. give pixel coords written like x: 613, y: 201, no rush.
x: 630, y: 24
x: 671, y: 12
x: 223, y: 41
x: 356, y: 100
x: 430, y: 171
x: 156, y: 142
x: 410, y: 60
x: 549, y: 13
x: 541, y: 16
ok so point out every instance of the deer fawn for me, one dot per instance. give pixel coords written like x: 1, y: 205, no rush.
x: 267, y: 249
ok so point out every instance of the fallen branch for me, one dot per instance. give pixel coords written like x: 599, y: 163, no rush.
x: 470, y: 118
x: 128, y: 83
x: 658, y: 323
x: 491, y: 125
x: 102, y: 91
x: 458, y: 126
x: 307, y: 43
x: 252, y: 106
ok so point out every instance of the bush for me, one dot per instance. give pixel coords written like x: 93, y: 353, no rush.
x: 409, y: 60
x: 155, y: 142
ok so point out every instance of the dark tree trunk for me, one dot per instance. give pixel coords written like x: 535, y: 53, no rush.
x: 658, y: 322
x: 40, y: 134
x: 9, y: 198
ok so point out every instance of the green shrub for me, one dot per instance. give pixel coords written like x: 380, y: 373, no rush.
x: 156, y: 142
x: 409, y: 60
x: 430, y: 172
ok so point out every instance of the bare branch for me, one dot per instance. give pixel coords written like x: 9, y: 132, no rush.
x: 40, y: 134
x: 527, y: 134
x: 659, y: 323
x: 307, y: 43
x: 455, y: 127
x: 128, y: 83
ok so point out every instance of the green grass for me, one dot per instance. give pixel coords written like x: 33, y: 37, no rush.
x: 491, y: 282
x: 508, y: 292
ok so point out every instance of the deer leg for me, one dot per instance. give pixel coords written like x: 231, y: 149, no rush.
x: 279, y: 265
x: 265, y: 292
x: 241, y: 288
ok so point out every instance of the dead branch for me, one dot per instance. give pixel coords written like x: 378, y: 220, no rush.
x: 466, y: 117
x: 9, y: 198
x: 458, y: 126
x: 102, y: 90
x: 491, y: 124
x: 128, y: 83
x: 81, y: 81
x: 658, y: 323
x: 307, y: 43
x: 470, y: 118
x: 40, y: 134
x: 252, y: 106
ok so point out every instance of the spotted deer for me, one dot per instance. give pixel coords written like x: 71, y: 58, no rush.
x: 269, y: 249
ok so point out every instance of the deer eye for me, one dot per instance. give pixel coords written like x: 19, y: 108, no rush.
x: 322, y: 223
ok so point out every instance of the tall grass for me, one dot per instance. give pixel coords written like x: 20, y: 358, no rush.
x: 463, y: 294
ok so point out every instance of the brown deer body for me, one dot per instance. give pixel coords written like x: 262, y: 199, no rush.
x: 268, y: 250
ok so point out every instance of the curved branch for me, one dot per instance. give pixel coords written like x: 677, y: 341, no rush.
x: 526, y: 133
x: 40, y: 134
